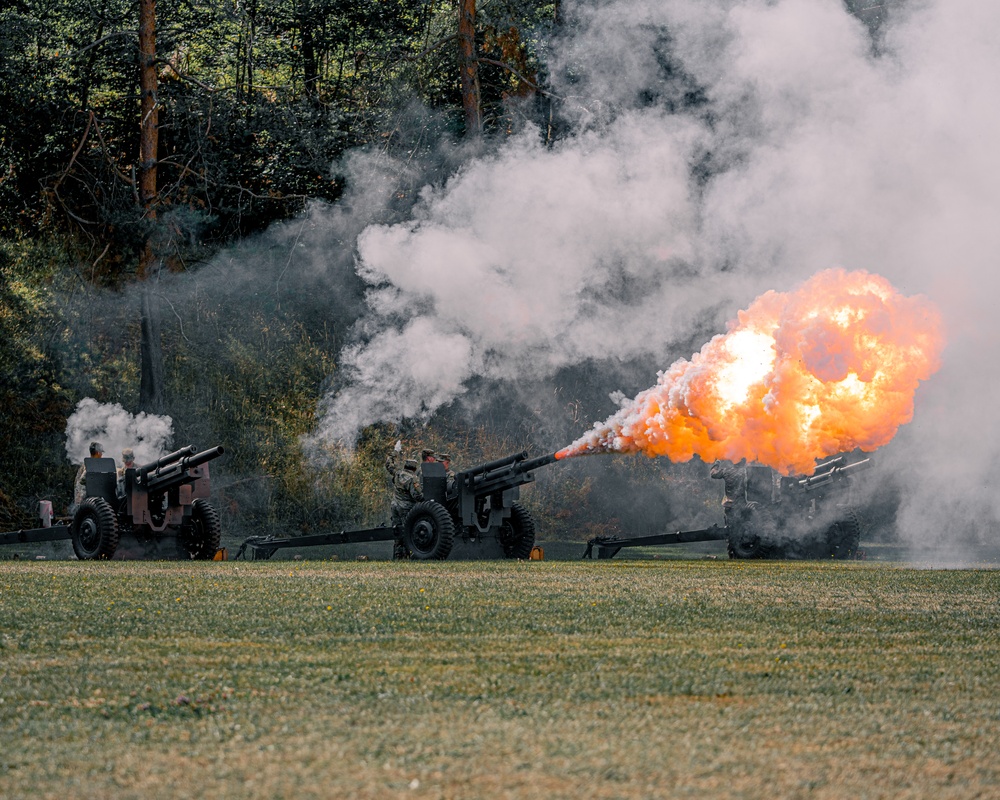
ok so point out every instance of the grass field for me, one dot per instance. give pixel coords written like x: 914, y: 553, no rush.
x: 613, y: 679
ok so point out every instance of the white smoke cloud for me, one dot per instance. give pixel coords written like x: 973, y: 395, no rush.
x: 522, y: 264
x: 823, y: 150
x: 149, y: 435
x: 887, y: 163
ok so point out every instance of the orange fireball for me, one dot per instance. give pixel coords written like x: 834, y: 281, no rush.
x: 799, y: 376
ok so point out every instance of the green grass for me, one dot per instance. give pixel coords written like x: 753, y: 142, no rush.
x: 614, y: 679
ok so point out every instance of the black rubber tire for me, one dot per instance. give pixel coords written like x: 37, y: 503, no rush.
x: 752, y: 534
x: 844, y: 537
x: 517, y: 533
x: 95, y: 530
x: 202, y: 533
x: 428, y: 531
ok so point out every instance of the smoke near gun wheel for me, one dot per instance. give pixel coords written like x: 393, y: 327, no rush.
x: 829, y: 367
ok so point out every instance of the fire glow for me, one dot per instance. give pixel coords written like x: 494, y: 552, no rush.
x: 800, y: 376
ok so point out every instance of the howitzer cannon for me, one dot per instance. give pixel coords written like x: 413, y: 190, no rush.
x: 800, y: 517
x: 478, y: 511
x: 165, y: 500
x: 479, y: 508
x: 768, y: 515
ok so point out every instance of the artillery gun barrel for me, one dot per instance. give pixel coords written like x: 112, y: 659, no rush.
x: 177, y: 455
x: 177, y: 471
x: 492, y: 470
x: 833, y: 473
x: 827, y: 466
x: 200, y: 458
x: 512, y: 471
x: 535, y: 463
x: 500, y: 463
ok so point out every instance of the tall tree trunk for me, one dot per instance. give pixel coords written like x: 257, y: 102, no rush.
x: 251, y: 41
x: 148, y: 107
x: 310, y: 67
x: 150, y: 354
x: 150, y: 344
x: 468, y: 66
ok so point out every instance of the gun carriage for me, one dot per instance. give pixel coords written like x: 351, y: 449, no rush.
x: 478, y: 512
x: 768, y: 515
x: 162, y: 505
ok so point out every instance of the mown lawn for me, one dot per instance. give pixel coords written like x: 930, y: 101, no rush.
x: 614, y: 679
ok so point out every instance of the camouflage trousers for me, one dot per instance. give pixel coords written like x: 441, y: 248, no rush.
x: 398, y: 518
x: 398, y: 513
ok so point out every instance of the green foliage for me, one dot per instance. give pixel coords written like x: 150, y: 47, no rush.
x: 251, y: 381
x: 256, y: 103
x: 35, y: 402
x: 346, y: 490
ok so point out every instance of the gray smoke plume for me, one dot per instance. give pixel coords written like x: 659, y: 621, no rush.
x: 149, y: 435
x: 717, y: 150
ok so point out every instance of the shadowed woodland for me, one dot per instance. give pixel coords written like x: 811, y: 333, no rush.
x: 164, y: 169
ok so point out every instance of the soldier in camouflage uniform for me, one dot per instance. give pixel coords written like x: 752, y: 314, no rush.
x: 128, y: 462
x: 405, y: 494
x: 392, y: 465
x: 445, y: 459
x: 734, y: 477
x: 452, y: 500
x: 80, y: 487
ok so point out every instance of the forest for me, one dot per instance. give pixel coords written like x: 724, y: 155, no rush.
x: 182, y: 186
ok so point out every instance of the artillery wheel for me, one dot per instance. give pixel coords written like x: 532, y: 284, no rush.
x: 428, y: 531
x: 752, y: 533
x: 95, y: 530
x: 201, y: 535
x: 517, y: 533
x: 844, y: 536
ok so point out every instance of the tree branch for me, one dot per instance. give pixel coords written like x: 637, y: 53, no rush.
x: 519, y: 76
x: 102, y: 40
x: 430, y: 48
x: 189, y: 79
x: 79, y: 147
x: 244, y: 190
x: 97, y: 261
x: 180, y: 322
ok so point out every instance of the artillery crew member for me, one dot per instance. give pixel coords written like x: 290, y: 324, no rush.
x: 80, y: 487
x: 734, y: 477
x: 445, y: 459
x: 128, y: 462
x: 392, y: 462
x: 406, y: 491
x: 405, y: 494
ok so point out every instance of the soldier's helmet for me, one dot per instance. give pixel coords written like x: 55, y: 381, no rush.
x: 410, y: 465
x: 442, y: 457
x: 95, y: 448
x: 426, y: 454
x: 128, y: 455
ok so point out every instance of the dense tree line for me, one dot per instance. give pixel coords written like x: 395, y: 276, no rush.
x: 255, y: 101
x: 138, y: 139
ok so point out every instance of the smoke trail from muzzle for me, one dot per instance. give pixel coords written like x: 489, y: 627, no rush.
x: 826, y: 368
x: 716, y: 150
x: 518, y: 267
